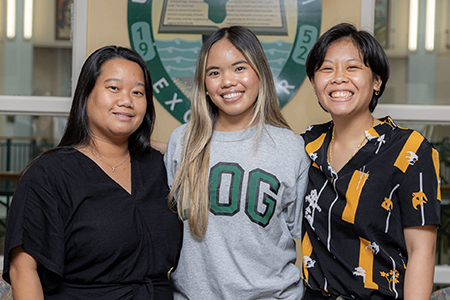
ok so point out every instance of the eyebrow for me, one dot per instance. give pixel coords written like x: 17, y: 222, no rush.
x: 233, y: 64
x: 112, y: 79
x: 240, y: 62
x: 348, y: 60
x: 118, y: 80
x: 211, y: 68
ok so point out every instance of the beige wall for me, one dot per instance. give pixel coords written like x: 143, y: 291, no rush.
x: 107, y: 24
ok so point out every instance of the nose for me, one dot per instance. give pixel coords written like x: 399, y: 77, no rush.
x: 228, y: 79
x: 339, y: 76
x: 125, y: 100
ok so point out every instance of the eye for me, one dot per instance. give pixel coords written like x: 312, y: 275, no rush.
x: 139, y: 93
x: 113, y: 88
x: 325, y: 68
x: 213, y: 73
x: 240, y: 68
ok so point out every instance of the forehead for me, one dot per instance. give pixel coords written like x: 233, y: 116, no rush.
x: 223, y: 51
x: 344, y: 47
x: 121, y: 66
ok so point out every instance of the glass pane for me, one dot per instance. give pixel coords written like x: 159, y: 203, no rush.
x: 22, y: 138
x: 40, y: 65
x: 439, y: 136
x: 419, y: 71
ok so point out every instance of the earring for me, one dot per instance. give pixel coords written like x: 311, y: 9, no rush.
x: 377, y: 92
x: 207, y: 93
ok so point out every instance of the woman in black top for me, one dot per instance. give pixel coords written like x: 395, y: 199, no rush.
x: 89, y: 219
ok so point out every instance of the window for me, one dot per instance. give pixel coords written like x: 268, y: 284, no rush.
x: 36, y: 82
x: 417, y: 44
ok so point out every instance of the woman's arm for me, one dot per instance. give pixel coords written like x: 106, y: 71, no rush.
x: 421, y: 246
x: 25, y: 281
x: 160, y: 146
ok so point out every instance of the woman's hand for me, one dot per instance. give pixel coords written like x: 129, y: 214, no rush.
x: 421, y: 246
x: 25, y: 281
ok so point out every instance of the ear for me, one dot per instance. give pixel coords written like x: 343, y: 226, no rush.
x: 377, y: 83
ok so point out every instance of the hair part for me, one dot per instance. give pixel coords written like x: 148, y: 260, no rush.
x: 77, y: 130
x: 191, y: 182
x: 371, y: 51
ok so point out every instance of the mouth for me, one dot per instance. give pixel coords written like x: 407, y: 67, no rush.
x: 231, y: 96
x: 341, y: 94
x: 123, y: 115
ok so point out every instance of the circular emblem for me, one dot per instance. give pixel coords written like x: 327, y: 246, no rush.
x: 168, y: 35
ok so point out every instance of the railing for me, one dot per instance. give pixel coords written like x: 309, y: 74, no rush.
x: 8, y: 183
x: 15, y: 154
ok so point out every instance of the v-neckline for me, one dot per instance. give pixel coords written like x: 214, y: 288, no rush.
x: 109, y: 177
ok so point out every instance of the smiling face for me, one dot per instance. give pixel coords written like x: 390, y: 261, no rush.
x: 117, y: 104
x: 344, y: 85
x: 232, y: 85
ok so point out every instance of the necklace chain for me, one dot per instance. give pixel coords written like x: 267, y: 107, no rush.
x: 113, y: 168
x: 354, y: 152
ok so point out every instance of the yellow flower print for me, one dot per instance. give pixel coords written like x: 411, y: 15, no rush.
x: 391, y: 277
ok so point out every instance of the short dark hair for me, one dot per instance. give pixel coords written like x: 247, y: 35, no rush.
x: 77, y: 130
x: 373, y: 54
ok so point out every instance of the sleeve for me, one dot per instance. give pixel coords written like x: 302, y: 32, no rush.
x: 35, y: 223
x: 419, y: 191
x: 295, y: 216
x: 173, y: 153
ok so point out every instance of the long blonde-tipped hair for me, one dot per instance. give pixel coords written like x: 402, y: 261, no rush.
x: 191, y: 184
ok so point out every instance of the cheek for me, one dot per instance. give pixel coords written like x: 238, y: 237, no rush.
x: 252, y: 82
x: 210, y: 85
x: 142, y: 107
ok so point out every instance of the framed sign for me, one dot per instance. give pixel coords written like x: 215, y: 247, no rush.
x: 168, y: 35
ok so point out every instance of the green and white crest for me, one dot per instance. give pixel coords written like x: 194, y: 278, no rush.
x: 168, y: 34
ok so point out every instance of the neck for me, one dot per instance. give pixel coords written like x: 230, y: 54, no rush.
x: 107, y: 148
x: 232, y: 124
x: 352, y: 128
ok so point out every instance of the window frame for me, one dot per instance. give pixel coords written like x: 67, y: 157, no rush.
x: 54, y: 106
x: 431, y: 114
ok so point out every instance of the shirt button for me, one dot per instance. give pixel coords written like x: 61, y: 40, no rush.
x: 334, y: 257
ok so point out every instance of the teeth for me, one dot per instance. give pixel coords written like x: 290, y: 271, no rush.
x: 232, y: 95
x: 341, y: 94
x: 122, y: 115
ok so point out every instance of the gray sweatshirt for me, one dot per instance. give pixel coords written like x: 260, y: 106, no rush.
x: 256, y: 196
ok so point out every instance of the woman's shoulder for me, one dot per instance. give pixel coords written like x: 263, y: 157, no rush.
x: 313, y: 132
x: 282, y: 131
x: 50, y: 167
x: 53, y: 159
x: 285, y: 138
x: 149, y: 154
x: 176, y: 137
x: 179, y: 132
x: 397, y: 134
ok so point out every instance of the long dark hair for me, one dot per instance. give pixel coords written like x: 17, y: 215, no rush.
x: 373, y: 54
x: 77, y: 130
